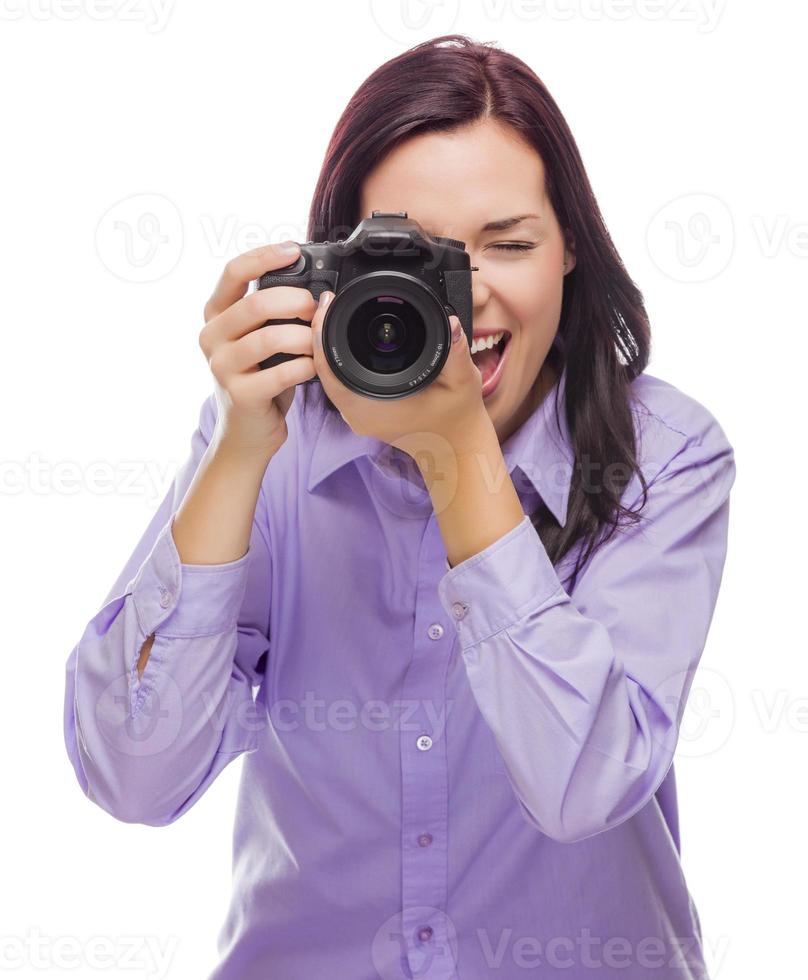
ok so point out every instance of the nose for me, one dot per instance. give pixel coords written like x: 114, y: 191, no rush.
x: 480, y: 294
x: 479, y: 288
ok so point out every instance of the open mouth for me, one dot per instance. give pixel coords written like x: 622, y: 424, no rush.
x: 489, y: 360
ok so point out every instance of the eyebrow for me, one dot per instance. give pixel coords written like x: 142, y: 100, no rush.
x: 504, y: 224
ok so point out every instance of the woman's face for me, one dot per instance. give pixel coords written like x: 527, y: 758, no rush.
x: 454, y: 185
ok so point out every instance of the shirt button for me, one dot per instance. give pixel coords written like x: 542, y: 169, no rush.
x: 424, y: 742
x: 425, y: 933
x: 165, y: 599
x: 435, y: 631
x: 424, y: 840
x: 459, y: 609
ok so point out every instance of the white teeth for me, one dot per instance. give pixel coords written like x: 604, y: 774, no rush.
x: 481, y: 343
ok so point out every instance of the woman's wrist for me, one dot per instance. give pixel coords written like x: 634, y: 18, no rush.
x: 241, y: 457
x: 473, y: 441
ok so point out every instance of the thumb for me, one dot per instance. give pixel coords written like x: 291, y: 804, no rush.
x: 458, y: 333
x: 317, y: 329
x: 459, y: 362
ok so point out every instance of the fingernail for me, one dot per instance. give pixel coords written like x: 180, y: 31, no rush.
x: 456, y: 328
x: 325, y: 299
x: 288, y: 246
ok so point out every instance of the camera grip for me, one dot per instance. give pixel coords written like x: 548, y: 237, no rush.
x: 316, y: 281
x: 296, y: 275
x: 315, y: 287
x: 458, y: 292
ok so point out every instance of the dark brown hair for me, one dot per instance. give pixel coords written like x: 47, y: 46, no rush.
x: 603, y: 338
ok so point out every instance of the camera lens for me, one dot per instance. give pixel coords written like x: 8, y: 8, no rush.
x: 386, y: 334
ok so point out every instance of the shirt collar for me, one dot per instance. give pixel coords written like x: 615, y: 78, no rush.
x: 540, y: 449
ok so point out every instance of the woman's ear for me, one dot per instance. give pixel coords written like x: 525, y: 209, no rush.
x: 569, y: 253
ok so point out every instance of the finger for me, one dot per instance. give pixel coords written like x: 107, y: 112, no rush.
x: 240, y: 271
x: 250, y: 312
x: 260, y: 387
x: 324, y: 372
x: 246, y: 353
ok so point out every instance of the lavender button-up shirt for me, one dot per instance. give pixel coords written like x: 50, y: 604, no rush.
x: 447, y: 772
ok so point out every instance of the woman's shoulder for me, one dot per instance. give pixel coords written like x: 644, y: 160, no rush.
x: 669, y: 420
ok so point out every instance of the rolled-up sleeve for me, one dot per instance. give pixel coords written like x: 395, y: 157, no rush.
x: 145, y: 749
x: 584, y: 692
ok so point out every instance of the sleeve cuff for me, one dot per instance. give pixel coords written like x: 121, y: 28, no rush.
x: 173, y: 599
x: 499, y: 585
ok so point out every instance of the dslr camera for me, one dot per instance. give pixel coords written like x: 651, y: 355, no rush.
x: 386, y: 333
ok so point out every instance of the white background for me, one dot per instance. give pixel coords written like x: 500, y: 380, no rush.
x: 690, y: 118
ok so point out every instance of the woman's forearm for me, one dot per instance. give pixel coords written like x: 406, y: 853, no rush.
x: 482, y: 503
x: 213, y: 523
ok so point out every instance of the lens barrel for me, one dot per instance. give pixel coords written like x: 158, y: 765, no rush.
x: 386, y: 334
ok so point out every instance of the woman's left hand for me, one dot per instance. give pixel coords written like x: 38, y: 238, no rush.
x: 446, y: 416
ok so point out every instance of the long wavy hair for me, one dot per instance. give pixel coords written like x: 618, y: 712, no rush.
x: 603, y: 336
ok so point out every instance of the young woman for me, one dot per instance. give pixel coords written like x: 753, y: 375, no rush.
x: 472, y: 615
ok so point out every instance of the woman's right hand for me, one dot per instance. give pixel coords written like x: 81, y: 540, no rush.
x: 252, y: 401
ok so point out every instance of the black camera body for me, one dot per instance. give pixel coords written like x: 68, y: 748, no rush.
x: 386, y: 333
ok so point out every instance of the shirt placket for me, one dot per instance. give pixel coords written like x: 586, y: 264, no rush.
x: 428, y: 935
